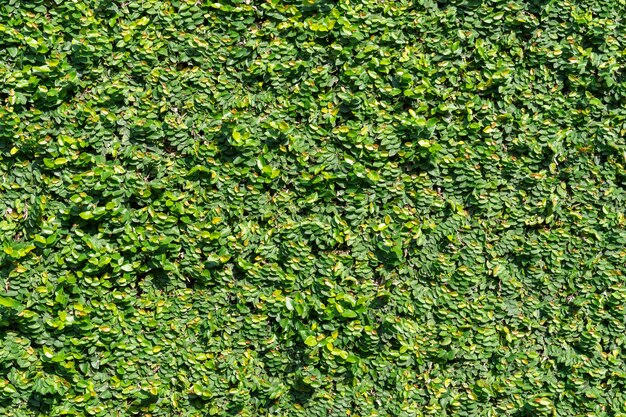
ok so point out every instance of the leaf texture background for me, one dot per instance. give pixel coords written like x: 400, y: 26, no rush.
x: 312, y: 208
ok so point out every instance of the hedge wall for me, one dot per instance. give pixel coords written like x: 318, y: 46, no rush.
x: 312, y: 208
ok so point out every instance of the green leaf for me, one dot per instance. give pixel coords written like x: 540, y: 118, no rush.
x: 48, y: 353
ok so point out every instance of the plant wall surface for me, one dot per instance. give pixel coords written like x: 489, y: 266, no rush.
x: 312, y: 208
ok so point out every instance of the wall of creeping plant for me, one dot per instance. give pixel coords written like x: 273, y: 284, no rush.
x: 312, y: 208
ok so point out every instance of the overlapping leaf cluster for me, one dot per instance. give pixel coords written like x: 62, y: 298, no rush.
x: 315, y: 208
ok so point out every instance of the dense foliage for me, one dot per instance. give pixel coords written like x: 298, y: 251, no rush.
x: 312, y: 208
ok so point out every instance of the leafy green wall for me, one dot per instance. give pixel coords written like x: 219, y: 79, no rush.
x: 312, y: 208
